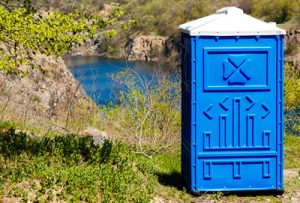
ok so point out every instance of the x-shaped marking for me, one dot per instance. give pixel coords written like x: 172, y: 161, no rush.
x: 235, y: 70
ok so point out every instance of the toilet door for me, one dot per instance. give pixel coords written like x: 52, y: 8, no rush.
x: 236, y: 115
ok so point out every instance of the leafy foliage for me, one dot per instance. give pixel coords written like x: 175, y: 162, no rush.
x: 72, y: 169
x: 291, y: 99
x: 163, y: 16
x: 23, y: 34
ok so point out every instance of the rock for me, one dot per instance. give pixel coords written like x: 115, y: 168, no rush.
x: 294, y: 200
x: 98, y: 137
x: 49, y: 91
x: 290, y: 173
x: 28, y: 133
x: 107, y: 10
x: 292, y: 41
x: 11, y: 199
x: 145, y: 47
x: 157, y: 200
x: 284, y: 196
x: 88, y: 48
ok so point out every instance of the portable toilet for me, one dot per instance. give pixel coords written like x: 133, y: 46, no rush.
x: 232, y: 103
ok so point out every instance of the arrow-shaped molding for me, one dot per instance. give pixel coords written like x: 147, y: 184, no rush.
x: 264, y: 106
x: 223, y: 105
x: 206, y: 112
x: 251, y: 101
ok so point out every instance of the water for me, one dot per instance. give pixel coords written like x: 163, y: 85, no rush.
x: 94, y: 73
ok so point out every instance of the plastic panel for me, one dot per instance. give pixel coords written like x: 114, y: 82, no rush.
x: 232, y: 110
x: 186, y: 109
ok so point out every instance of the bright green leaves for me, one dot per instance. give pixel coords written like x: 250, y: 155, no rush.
x: 291, y: 99
x: 71, y: 169
x: 23, y: 34
x: 112, y: 33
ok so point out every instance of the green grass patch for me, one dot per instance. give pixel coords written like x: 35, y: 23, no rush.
x: 72, y: 169
x: 291, y: 151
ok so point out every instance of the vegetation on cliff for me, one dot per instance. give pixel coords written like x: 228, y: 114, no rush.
x: 163, y: 16
x: 25, y: 32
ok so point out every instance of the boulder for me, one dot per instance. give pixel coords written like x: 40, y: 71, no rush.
x: 292, y: 41
x: 98, y: 137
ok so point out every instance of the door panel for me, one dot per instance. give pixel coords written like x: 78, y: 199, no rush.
x: 237, y: 174
x: 236, y: 117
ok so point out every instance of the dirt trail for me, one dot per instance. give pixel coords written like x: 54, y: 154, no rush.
x: 292, y: 185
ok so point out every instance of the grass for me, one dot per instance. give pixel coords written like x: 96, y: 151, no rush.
x: 170, y: 188
x: 291, y: 152
x: 70, y: 168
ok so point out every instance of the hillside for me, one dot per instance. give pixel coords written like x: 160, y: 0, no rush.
x: 57, y: 145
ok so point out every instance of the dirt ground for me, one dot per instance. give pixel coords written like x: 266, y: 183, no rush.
x: 292, y: 185
x: 291, y: 193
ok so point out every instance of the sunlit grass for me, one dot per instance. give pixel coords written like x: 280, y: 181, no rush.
x: 291, y: 152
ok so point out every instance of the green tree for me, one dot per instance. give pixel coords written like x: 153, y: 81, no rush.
x: 24, y: 33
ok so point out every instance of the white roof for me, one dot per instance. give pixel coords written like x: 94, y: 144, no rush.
x: 230, y: 21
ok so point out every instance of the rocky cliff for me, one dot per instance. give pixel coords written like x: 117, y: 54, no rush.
x: 292, y: 47
x: 154, y: 47
x: 145, y: 47
x: 48, y: 92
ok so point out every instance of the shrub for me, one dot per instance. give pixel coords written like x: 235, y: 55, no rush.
x: 71, y: 169
x: 278, y: 11
x: 291, y: 99
x: 148, y: 111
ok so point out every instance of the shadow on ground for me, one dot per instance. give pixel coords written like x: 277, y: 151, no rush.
x: 172, y: 179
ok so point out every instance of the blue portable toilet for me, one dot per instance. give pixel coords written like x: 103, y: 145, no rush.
x: 232, y: 103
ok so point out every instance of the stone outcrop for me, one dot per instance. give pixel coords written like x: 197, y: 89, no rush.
x: 292, y: 47
x: 154, y: 47
x: 137, y: 48
x: 145, y: 47
x: 293, y: 36
x: 49, y: 91
x: 98, y: 137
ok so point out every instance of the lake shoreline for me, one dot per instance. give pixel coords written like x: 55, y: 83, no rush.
x: 96, y: 75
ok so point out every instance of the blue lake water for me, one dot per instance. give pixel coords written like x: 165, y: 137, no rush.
x: 94, y: 73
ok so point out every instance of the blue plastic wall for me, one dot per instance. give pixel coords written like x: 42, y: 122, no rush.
x: 232, y: 113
